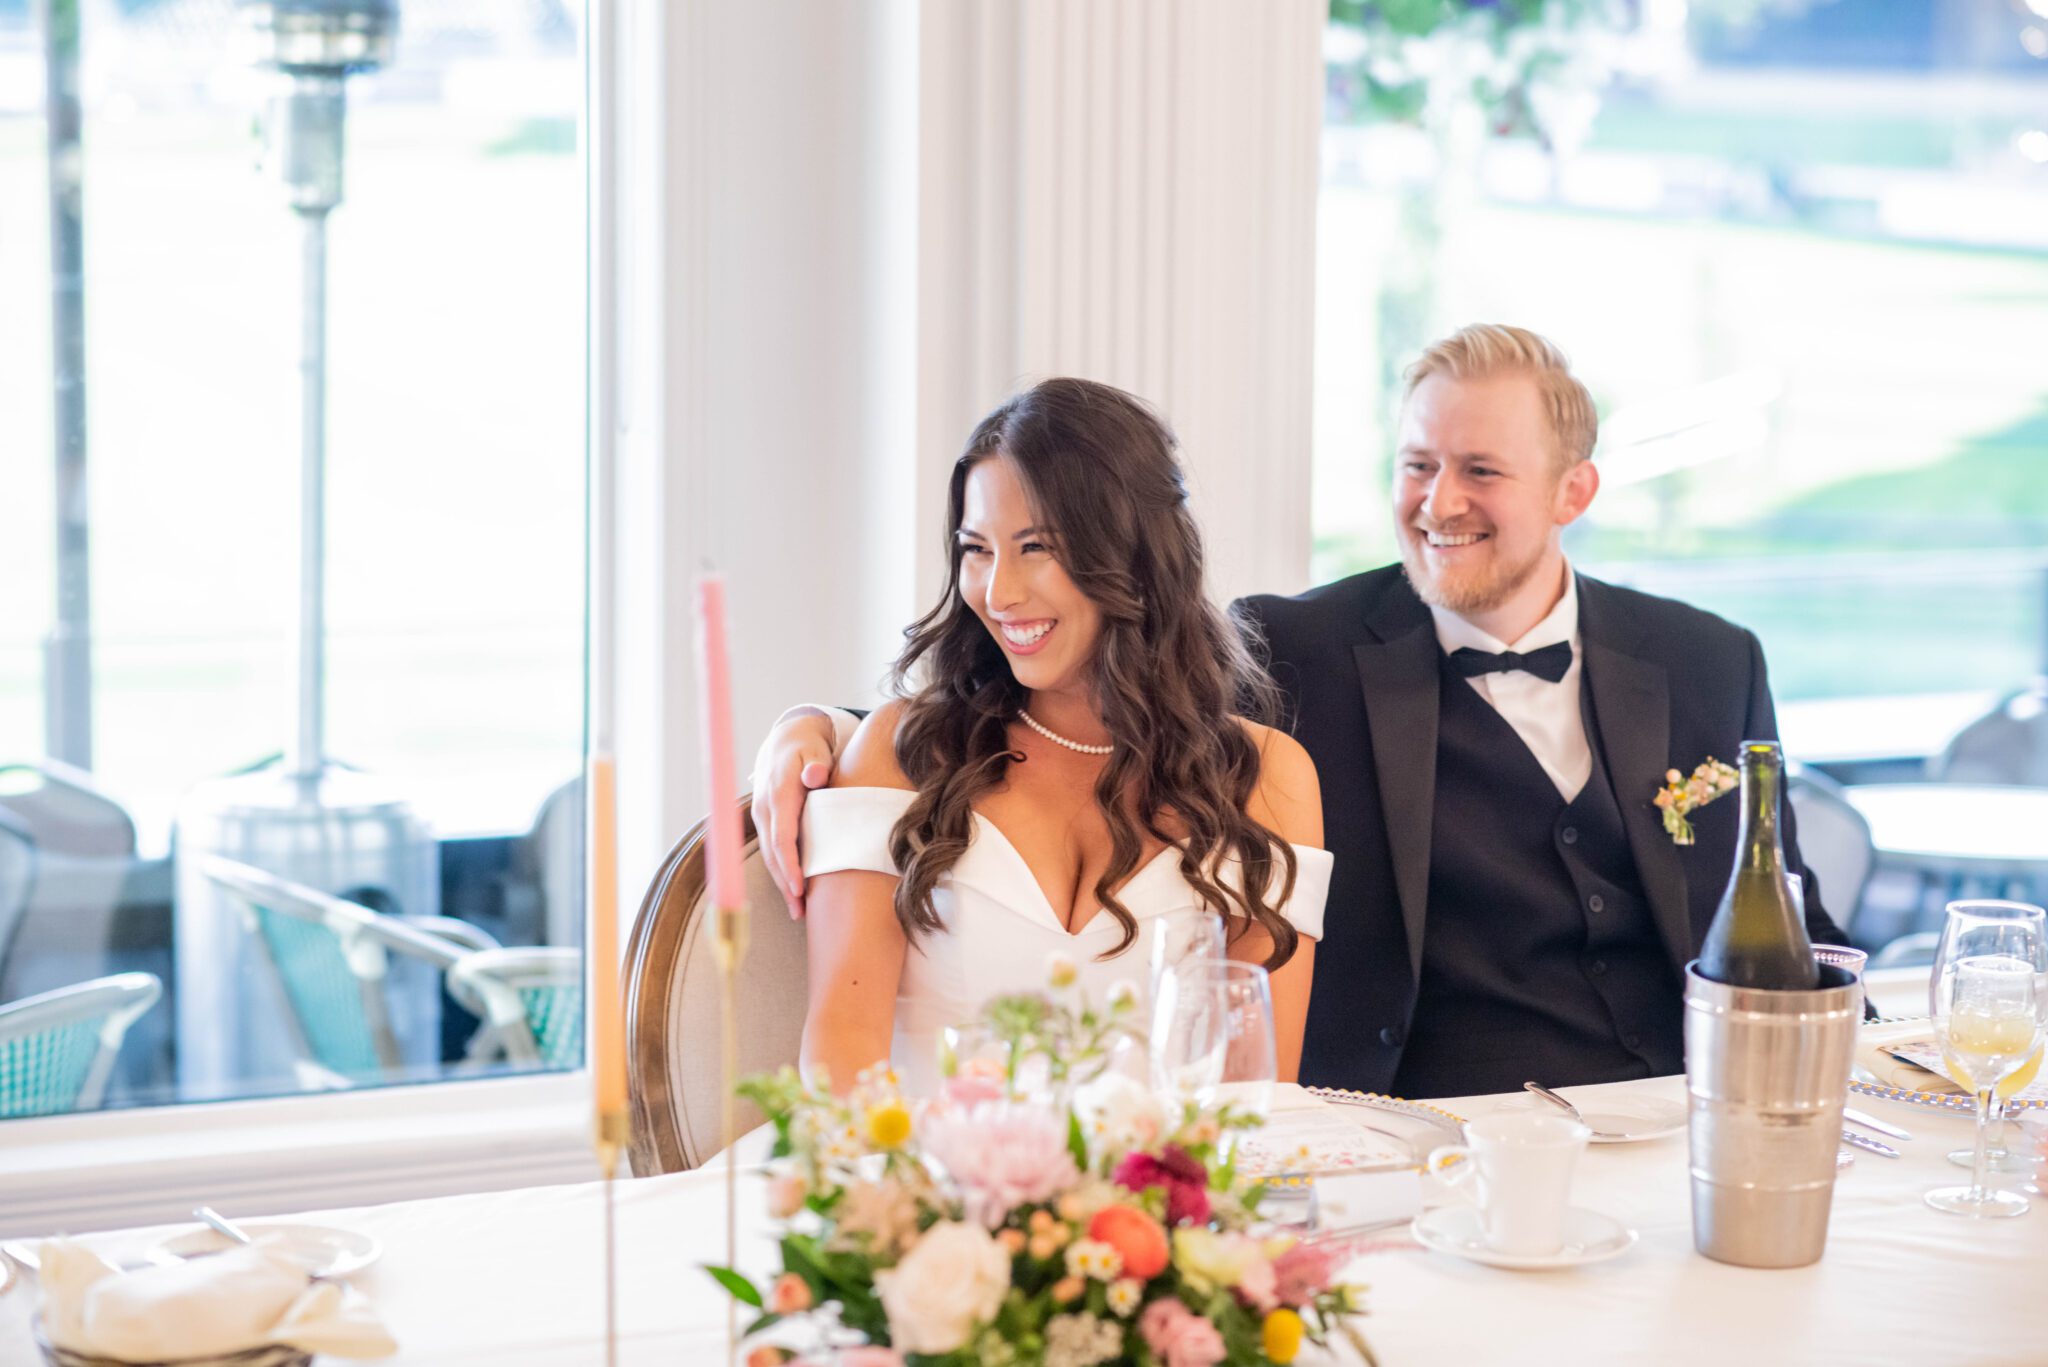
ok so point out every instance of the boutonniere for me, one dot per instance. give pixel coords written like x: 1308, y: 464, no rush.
x: 1681, y: 795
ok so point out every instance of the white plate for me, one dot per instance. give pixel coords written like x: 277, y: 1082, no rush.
x: 1627, y: 1119
x: 321, y: 1249
x: 1589, y: 1237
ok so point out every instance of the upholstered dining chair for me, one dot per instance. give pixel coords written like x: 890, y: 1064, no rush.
x: 57, y: 1048
x: 674, y: 1044
x: 330, y: 957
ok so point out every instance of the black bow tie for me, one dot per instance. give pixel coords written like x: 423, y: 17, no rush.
x: 1548, y: 663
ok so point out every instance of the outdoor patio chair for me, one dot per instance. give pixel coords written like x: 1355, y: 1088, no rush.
x: 674, y: 1042
x: 329, y: 957
x: 17, y: 879
x: 1834, y: 840
x: 57, y: 1048
x: 2008, y: 744
x: 84, y: 843
x: 530, y: 1000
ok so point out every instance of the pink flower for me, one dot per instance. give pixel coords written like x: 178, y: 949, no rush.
x: 1002, y: 1156
x: 789, y: 1295
x: 972, y: 1088
x: 1303, y: 1271
x: 1185, y: 1179
x: 1257, y: 1283
x: 868, y: 1357
x: 1178, y: 1336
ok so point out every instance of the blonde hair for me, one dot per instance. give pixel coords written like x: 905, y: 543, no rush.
x: 1482, y: 350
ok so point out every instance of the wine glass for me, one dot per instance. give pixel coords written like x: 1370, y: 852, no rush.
x: 1181, y: 937
x: 1213, y: 1026
x: 1989, y: 1012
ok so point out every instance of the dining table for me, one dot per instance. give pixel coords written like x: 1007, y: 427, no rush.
x: 1988, y: 832
x: 516, y: 1278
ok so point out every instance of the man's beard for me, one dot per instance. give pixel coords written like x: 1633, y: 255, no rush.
x: 1463, y: 593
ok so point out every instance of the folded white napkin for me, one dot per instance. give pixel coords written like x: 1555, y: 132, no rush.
x: 203, y: 1307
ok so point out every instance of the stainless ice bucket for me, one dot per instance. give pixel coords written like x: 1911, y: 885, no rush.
x: 1766, y: 1074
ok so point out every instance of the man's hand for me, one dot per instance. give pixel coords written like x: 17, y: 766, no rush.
x: 796, y: 758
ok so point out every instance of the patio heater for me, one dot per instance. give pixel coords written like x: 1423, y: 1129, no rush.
x: 304, y: 817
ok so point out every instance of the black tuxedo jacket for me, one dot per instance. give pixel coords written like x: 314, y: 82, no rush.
x: 1358, y: 661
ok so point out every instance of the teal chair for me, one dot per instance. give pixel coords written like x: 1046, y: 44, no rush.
x: 530, y: 1000
x: 57, y: 1048
x: 329, y: 957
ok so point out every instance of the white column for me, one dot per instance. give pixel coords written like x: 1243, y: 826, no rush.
x: 1125, y: 190
x: 767, y: 372
x: 848, y: 230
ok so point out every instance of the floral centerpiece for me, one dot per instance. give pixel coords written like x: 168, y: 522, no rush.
x: 982, y: 1227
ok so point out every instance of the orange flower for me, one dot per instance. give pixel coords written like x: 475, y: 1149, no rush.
x: 789, y: 1295
x: 1138, y: 1239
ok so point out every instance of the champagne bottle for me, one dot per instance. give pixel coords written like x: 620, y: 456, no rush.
x: 1758, y: 937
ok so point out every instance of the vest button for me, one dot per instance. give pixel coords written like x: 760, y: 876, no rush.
x: 1570, y: 835
x: 1599, y: 967
x: 1634, y: 1041
x: 1391, y: 1036
x: 1596, y: 903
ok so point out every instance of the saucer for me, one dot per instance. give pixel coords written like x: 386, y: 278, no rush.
x: 321, y: 1249
x: 1589, y: 1237
x: 1618, y: 1118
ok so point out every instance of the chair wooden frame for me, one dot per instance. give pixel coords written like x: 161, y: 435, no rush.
x: 668, y: 922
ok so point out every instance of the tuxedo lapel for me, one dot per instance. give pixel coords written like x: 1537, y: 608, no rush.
x: 1632, y: 709
x: 1399, y: 674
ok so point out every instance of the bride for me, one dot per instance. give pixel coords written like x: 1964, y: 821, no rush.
x: 1067, y: 768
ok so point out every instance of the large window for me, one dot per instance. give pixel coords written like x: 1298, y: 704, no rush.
x: 161, y: 808
x: 1800, y: 250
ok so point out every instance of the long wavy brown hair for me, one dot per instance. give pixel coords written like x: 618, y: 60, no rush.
x: 1169, y: 672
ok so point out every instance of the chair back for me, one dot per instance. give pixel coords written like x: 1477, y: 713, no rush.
x: 2008, y: 744
x: 17, y: 879
x: 530, y: 999
x: 1834, y: 842
x: 84, y: 844
x: 329, y: 957
x: 674, y: 1037
x: 57, y: 1048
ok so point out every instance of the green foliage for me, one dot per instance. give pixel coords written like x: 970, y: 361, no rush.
x: 737, y: 1286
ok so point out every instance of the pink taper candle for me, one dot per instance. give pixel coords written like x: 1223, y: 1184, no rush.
x: 714, y: 683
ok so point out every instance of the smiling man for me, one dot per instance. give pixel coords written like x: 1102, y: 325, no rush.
x: 1490, y: 729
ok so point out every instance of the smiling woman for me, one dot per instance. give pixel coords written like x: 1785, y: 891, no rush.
x: 1072, y: 720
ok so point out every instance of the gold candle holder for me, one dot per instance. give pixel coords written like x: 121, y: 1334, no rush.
x: 730, y: 945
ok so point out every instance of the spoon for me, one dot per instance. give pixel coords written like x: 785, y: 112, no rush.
x: 223, y: 1224
x: 1554, y: 1099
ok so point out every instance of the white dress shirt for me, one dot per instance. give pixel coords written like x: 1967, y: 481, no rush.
x: 1545, y: 715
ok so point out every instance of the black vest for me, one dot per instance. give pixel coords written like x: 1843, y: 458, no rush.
x: 1540, y: 958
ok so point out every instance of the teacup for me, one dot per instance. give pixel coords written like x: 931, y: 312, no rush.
x: 1517, y: 1170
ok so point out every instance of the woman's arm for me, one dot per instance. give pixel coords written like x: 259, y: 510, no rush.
x: 856, y: 943
x: 1289, y: 803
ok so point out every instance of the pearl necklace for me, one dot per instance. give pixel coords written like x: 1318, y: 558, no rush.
x: 1058, y: 739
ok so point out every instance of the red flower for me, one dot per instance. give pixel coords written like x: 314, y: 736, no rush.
x: 1186, y: 1182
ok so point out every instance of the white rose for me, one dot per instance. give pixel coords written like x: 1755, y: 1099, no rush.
x: 1118, y: 1113
x: 951, y: 1283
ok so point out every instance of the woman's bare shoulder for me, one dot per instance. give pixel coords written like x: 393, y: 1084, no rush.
x: 870, y: 757
x: 1289, y: 798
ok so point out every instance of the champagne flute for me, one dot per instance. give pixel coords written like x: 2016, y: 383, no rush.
x: 1188, y: 1036
x: 1179, y: 937
x: 1989, y: 1013
x: 1240, y: 1013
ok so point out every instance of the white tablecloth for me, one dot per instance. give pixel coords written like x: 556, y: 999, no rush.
x: 515, y: 1278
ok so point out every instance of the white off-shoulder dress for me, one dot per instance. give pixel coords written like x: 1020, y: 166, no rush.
x: 1000, y: 931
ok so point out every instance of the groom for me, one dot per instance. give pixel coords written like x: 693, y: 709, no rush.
x: 1490, y: 729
